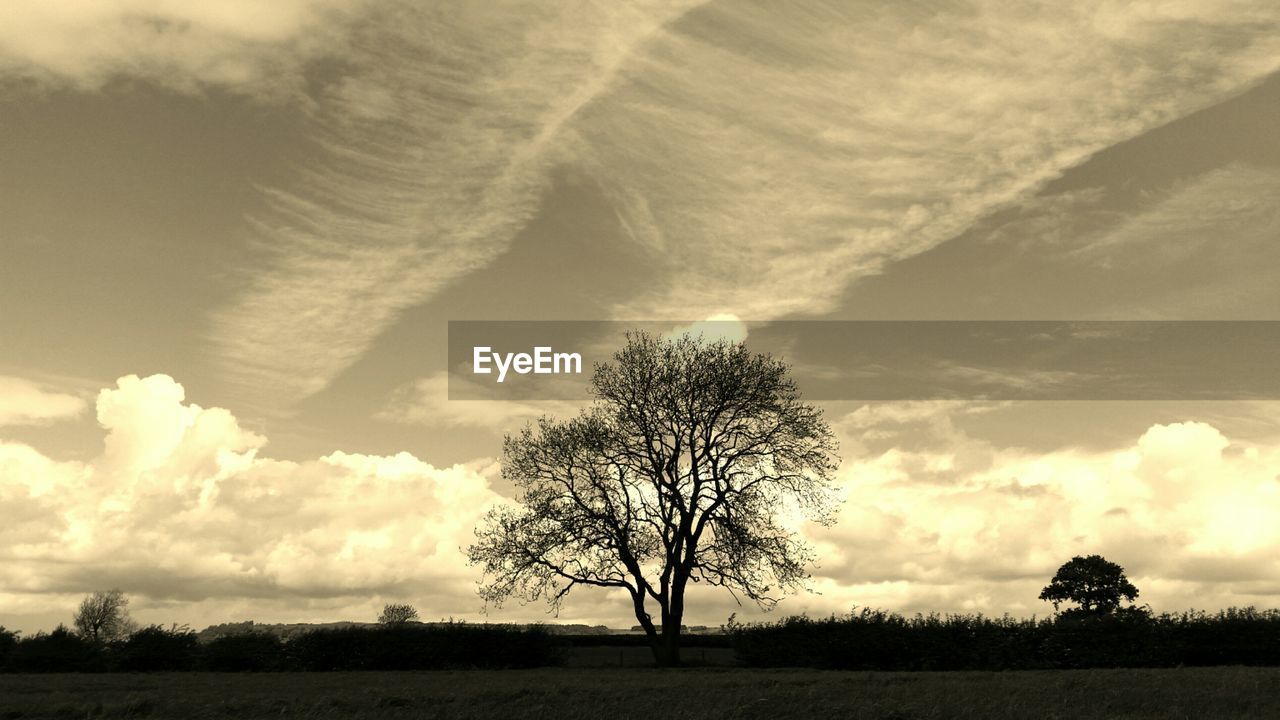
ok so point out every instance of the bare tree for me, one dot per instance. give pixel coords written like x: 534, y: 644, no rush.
x: 685, y: 468
x: 397, y: 614
x: 104, y: 616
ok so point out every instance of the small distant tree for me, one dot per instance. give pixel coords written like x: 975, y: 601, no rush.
x: 104, y: 616
x: 397, y: 614
x: 1094, y: 583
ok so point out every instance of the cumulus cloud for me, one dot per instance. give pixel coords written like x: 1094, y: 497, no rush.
x: 181, y: 506
x: 766, y: 158
x: 960, y: 525
x: 23, y: 402
x: 235, y: 44
x: 183, y: 511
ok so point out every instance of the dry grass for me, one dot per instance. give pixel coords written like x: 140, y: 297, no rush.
x: 1218, y: 693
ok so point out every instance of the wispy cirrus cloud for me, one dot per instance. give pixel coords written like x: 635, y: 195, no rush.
x: 1238, y: 201
x: 765, y: 158
x: 435, y: 149
x: 813, y: 147
x: 1202, y: 248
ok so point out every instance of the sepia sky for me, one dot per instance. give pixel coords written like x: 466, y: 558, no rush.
x: 232, y: 234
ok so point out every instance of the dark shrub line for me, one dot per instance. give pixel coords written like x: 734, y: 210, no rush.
x: 878, y: 640
x: 403, y: 647
x: 640, y: 640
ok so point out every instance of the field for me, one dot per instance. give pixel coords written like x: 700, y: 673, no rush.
x: 1219, y: 693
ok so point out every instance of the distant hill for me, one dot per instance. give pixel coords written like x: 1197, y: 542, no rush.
x: 284, y: 631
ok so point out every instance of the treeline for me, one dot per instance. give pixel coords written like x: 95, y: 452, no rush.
x: 878, y: 640
x: 863, y: 640
x: 396, y: 647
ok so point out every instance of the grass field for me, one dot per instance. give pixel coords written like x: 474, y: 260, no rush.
x: 1218, y: 693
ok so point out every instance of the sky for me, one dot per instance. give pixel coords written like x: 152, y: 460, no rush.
x: 232, y: 236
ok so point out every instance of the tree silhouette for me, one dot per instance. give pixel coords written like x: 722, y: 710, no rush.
x: 104, y: 616
x: 680, y: 471
x: 396, y: 614
x: 1094, y: 583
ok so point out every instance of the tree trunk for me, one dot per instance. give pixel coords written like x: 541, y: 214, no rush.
x: 652, y: 633
x: 665, y: 645
x: 670, y: 646
x: 672, y: 617
x: 664, y: 641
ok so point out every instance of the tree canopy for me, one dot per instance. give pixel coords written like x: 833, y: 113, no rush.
x: 397, y: 614
x: 694, y: 463
x: 104, y: 616
x: 1094, y: 583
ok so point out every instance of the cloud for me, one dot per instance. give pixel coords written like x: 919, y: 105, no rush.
x: 434, y: 150
x: 1237, y: 201
x: 720, y: 326
x: 183, y: 511
x: 180, y: 506
x: 765, y: 158
x: 1201, y: 248
x: 770, y: 159
x: 960, y: 525
x: 426, y: 402
x: 1012, y: 379
x: 23, y: 402
x: 234, y: 44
